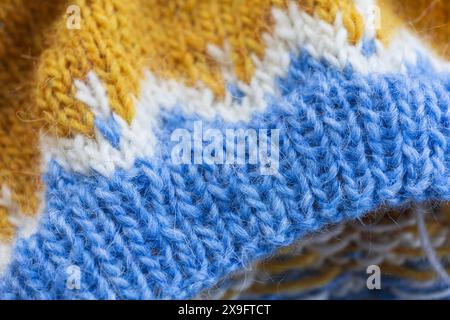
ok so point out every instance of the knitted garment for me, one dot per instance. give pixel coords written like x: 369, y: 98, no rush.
x: 156, y: 149
x: 333, y: 263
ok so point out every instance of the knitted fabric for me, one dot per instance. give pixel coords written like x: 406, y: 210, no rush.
x: 332, y: 263
x: 358, y: 99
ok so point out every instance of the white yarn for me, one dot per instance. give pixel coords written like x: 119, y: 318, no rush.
x: 93, y: 94
x: 323, y: 295
x: 5, y: 255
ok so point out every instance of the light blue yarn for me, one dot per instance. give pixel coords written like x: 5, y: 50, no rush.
x: 110, y: 130
x: 349, y: 144
x: 368, y: 47
x: 236, y: 93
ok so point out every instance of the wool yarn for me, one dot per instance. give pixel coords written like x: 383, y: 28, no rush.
x: 353, y: 97
x: 332, y: 263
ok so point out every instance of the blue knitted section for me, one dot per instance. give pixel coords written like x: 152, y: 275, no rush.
x: 369, y: 47
x: 236, y: 93
x: 348, y: 145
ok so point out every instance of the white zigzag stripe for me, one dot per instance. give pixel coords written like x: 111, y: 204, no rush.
x: 294, y: 30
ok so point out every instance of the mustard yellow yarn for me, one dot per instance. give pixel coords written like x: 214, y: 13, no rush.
x: 6, y: 228
x: 429, y: 19
x: 118, y: 40
x: 24, y: 25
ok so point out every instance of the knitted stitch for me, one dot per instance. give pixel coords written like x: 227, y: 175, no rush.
x: 203, y: 222
x: 363, y: 120
x: 349, y: 249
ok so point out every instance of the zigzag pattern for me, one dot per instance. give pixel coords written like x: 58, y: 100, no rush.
x: 349, y: 144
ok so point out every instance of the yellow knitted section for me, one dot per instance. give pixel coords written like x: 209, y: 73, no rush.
x: 180, y: 31
x: 6, y: 228
x: 109, y: 42
x: 429, y: 19
x: 23, y: 26
x: 119, y: 39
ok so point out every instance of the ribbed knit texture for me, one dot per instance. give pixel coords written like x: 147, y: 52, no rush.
x: 93, y: 94
x: 349, y: 144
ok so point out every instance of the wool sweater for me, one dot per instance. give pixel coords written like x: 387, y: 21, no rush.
x: 224, y: 149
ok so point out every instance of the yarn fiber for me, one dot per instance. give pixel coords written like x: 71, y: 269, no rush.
x: 88, y: 181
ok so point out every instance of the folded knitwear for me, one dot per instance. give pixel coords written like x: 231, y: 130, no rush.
x: 185, y: 149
